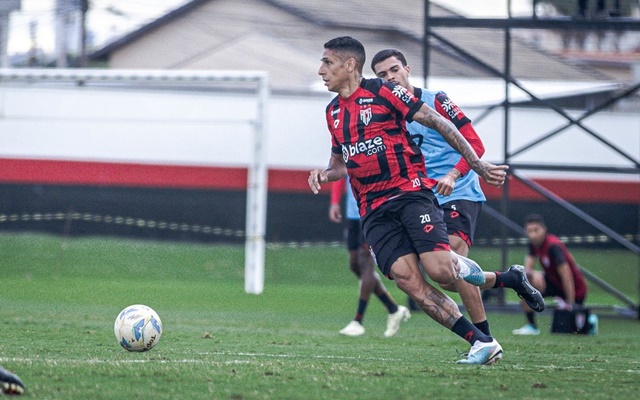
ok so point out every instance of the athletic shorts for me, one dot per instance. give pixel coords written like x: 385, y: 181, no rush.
x: 551, y: 290
x: 411, y: 223
x: 460, y: 217
x: 355, y: 237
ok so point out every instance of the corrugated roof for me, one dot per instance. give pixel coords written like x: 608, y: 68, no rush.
x: 285, y: 37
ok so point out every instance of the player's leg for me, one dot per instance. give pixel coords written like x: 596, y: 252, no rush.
x: 396, y: 313
x: 361, y: 263
x: 537, y: 280
x: 354, y: 242
x: 460, y: 216
x: 371, y: 283
x: 417, y: 226
x: 516, y: 278
x: 439, y: 306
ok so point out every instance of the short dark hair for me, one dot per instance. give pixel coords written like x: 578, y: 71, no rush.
x: 534, y: 219
x: 387, y: 53
x: 350, y: 47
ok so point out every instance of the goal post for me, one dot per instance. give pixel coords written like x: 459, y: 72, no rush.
x: 256, y: 83
x: 257, y: 176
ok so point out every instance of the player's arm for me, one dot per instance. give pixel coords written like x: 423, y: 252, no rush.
x: 336, y: 170
x: 568, y: 285
x: 447, y: 183
x: 492, y: 174
x: 529, y: 262
x: 337, y: 190
x: 564, y: 271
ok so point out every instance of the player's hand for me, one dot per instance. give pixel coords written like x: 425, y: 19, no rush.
x: 494, y: 175
x: 316, y: 177
x: 335, y: 215
x: 446, y: 184
x: 563, y: 305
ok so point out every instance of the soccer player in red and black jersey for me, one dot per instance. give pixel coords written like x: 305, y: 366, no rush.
x: 458, y: 190
x: 561, y: 277
x: 400, y: 216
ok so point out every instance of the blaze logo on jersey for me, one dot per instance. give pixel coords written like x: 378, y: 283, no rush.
x: 365, y: 115
x: 369, y: 147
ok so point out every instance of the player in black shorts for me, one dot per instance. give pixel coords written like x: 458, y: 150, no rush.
x: 457, y: 189
x: 362, y: 265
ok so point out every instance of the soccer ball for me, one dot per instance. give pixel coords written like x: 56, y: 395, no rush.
x: 138, y: 328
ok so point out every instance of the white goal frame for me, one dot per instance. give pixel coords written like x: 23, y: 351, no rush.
x: 256, y: 81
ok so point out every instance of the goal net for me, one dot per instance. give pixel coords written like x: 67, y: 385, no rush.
x: 158, y: 117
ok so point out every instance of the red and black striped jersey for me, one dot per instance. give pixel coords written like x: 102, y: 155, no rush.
x: 551, y: 254
x: 368, y: 129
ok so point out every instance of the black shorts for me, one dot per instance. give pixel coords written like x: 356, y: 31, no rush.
x: 551, y: 290
x: 460, y: 217
x: 411, y: 223
x: 355, y: 237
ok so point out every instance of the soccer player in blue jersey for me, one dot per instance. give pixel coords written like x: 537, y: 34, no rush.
x: 362, y: 265
x: 458, y: 189
x: 401, y: 219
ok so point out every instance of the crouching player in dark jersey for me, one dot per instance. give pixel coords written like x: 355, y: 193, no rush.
x: 458, y: 189
x: 401, y: 219
x: 561, y: 278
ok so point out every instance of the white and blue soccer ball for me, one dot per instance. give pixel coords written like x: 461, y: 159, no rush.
x: 138, y: 328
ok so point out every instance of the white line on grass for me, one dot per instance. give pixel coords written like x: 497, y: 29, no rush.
x: 198, y: 361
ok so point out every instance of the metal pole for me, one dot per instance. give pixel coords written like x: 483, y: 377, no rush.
x: 426, y: 47
x: 4, y: 39
x: 504, y: 203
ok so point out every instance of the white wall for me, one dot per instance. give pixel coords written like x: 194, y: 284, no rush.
x: 206, y: 128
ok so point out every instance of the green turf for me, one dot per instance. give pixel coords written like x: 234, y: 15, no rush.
x: 60, y: 297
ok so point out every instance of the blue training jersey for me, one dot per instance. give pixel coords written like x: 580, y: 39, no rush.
x: 351, y: 207
x: 440, y: 157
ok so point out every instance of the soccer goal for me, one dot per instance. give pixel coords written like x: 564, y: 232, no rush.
x: 152, y: 117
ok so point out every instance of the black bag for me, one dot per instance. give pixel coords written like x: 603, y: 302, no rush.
x: 571, y: 321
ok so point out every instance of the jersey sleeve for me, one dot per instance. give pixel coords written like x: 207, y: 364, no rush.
x: 402, y: 100
x: 556, y: 254
x: 337, y: 190
x: 335, y: 146
x: 448, y: 109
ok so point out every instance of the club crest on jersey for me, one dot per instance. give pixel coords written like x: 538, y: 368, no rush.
x: 365, y: 115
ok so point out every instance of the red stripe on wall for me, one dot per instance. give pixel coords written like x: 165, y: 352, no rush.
x: 588, y: 191
x: 60, y: 172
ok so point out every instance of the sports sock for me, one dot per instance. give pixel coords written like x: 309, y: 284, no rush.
x: 484, y: 327
x: 532, y: 319
x: 468, y: 332
x: 388, y: 302
x: 505, y: 279
x: 362, y: 307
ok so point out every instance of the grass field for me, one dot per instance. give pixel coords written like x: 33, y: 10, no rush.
x: 60, y: 297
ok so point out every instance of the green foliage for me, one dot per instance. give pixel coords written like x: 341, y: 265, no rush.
x: 60, y: 297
